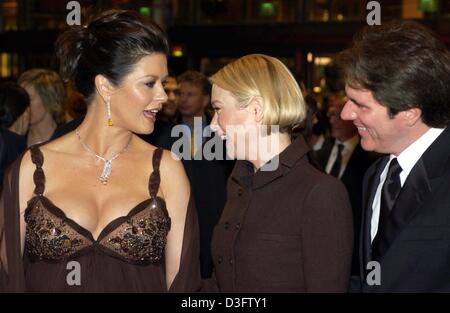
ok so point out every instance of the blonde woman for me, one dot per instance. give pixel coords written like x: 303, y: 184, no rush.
x: 285, y: 227
x: 46, y: 91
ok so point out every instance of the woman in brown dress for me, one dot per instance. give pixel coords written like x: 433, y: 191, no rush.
x: 100, y: 210
x: 285, y: 227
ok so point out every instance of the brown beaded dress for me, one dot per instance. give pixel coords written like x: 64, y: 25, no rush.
x: 128, y: 255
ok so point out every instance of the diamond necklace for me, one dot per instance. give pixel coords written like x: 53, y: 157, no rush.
x: 107, y: 167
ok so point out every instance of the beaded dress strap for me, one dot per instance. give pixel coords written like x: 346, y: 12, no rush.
x: 38, y: 176
x: 155, y: 178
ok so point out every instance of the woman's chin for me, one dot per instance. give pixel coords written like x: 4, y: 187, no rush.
x: 144, y: 130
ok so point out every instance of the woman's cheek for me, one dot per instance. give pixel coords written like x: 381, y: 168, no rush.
x: 221, y: 121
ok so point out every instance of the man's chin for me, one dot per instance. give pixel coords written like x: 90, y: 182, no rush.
x: 367, y: 145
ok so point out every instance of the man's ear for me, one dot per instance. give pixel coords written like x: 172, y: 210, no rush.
x: 103, y: 86
x: 411, y: 116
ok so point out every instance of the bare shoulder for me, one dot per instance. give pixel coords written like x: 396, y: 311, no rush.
x: 27, y: 167
x: 172, y: 168
x: 26, y: 184
x: 174, y: 183
x: 170, y: 159
x: 54, y: 151
x: 62, y: 144
x: 170, y: 165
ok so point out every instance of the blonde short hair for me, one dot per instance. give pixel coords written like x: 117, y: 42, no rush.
x: 266, y: 77
x: 50, y: 87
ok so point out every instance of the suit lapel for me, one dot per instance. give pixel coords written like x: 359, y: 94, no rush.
x: 372, y: 184
x: 323, y: 155
x: 410, y: 200
x: 355, y: 164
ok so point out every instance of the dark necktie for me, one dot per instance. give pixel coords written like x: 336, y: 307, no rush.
x: 389, y: 194
x: 336, y: 169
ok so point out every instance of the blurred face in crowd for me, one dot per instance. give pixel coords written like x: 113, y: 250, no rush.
x: 341, y: 130
x: 21, y: 125
x: 172, y: 91
x: 192, y: 102
x: 379, y: 132
x: 37, y: 108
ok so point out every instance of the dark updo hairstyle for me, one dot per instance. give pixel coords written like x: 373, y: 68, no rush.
x: 14, y: 100
x: 110, y: 45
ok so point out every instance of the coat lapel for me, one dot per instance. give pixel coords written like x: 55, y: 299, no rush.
x: 410, y: 200
x: 321, y: 156
x: 373, y: 180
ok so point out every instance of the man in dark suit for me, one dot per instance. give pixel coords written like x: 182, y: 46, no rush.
x: 348, y: 161
x: 398, y: 87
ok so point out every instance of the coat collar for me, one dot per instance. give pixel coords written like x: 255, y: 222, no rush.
x: 243, y: 172
x: 436, y: 159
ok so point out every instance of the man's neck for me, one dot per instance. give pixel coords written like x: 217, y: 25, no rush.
x: 415, y: 133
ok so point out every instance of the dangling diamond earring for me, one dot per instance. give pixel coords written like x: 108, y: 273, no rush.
x: 108, y: 109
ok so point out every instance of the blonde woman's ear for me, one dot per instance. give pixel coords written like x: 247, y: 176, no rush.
x: 258, y: 103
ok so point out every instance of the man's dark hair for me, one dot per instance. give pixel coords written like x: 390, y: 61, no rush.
x: 405, y: 65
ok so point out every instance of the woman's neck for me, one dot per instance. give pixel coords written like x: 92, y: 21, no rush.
x: 269, y: 147
x: 104, y: 140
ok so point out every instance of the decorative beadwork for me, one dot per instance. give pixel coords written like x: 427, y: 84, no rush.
x: 143, y: 236
x: 49, y: 237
